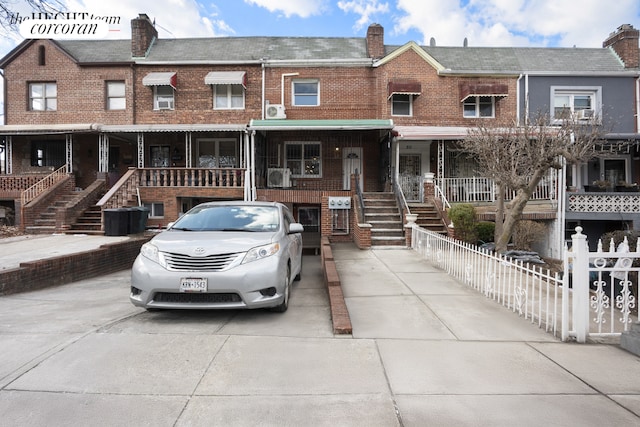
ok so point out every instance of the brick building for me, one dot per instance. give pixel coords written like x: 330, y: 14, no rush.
x: 307, y: 121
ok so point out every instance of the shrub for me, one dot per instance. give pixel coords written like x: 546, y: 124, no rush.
x: 463, y: 216
x: 526, y: 233
x: 485, y: 230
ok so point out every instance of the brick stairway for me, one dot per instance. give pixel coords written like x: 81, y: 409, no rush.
x: 90, y: 222
x: 428, y: 217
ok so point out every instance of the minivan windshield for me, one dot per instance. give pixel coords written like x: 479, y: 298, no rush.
x: 229, y: 218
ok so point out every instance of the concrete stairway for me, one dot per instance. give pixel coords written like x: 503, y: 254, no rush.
x: 381, y: 211
x: 428, y: 217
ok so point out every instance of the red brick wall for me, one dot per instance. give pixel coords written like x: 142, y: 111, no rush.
x: 439, y: 104
x: 70, y: 268
x: 81, y: 90
x: 194, y: 99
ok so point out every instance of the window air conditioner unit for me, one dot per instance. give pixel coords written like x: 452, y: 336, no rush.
x: 584, y: 114
x: 275, y: 111
x: 279, y: 177
x: 165, y: 103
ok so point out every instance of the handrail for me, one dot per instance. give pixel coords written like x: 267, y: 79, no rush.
x: 120, y: 191
x: 359, y: 194
x: 44, y: 184
x: 400, y: 196
x: 440, y: 195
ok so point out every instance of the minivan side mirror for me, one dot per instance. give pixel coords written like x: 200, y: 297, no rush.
x: 295, y: 227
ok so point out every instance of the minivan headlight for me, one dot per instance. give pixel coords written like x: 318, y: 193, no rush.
x: 261, y: 252
x: 150, y: 251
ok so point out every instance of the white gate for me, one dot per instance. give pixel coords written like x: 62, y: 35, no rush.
x: 602, y: 289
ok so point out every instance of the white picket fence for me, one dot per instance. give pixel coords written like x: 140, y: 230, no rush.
x: 538, y: 295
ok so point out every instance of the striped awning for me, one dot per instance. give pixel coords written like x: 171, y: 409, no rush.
x: 226, y: 78
x: 404, y: 87
x: 494, y: 89
x: 161, y: 79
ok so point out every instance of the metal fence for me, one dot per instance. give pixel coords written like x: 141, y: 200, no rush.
x: 594, y: 296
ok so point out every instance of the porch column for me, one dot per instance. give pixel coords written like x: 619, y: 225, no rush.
x: 246, y: 163
x: 103, y: 153
x: 8, y: 155
x: 397, y: 161
x: 187, y: 149
x: 441, y: 150
x: 252, y: 167
x: 69, y: 152
x: 140, y: 150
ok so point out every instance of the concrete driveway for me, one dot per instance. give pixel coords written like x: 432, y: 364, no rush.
x: 425, y: 350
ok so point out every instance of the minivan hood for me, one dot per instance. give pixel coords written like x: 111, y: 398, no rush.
x: 203, y: 243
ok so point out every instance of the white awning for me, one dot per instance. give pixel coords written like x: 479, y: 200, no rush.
x: 161, y: 79
x: 421, y: 133
x: 226, y: 78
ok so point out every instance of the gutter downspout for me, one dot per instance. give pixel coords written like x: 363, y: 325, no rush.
x: 518, y: 99
x: 263, y: 87
x: 526, y: 98
x: 282, y: 84
x: 638, y: 104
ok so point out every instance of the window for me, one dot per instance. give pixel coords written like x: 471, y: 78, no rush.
x: 306, y: 92
x: 41, y: 56
x: 228, y: 97
x: 163, y: 97
x: 156, y: 210
x: 217, y: 153
x: 116, y: 99
x: 577, y: 104
x: 479, y: 106
x: 309, y: 217
x: 43, y: 96
x: 48, y: 153
x: 303, y: 159
x: 401, y: 104
x: 159, y: 156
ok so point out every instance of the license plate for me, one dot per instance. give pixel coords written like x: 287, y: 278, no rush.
x: 192, y: 284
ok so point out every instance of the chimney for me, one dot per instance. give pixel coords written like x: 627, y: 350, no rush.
x: 375, y: 41
x: 143, y: 34
x: 625, y: 43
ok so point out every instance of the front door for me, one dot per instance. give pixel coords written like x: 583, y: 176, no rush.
x: 351, y: 162
x: 409, y: 176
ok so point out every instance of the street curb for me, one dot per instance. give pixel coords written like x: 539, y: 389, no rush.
x: 339, y: 313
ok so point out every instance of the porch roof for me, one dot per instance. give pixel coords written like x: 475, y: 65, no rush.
x: 49, y: 129
x: 429, y: 132
x: 173, y: 128
x: 364, y: 124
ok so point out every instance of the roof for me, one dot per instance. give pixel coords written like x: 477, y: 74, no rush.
x: 365, y: 124
x: 524, y: 60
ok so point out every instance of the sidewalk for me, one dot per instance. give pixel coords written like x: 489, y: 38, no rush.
x: 454, y: 357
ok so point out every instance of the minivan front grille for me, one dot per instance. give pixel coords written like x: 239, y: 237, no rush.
x: 196, y: 298
x: 218, y: 262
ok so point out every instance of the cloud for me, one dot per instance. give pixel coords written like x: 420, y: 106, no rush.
x: 365, y: 8
x: 515, y: 22
x: 195, y: 20
x: 302, y: 8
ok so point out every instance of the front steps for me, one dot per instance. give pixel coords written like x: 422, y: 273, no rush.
x: 387, y: 227
x: 90, y: 222
x: 46, y: 222
x: 428, y: 217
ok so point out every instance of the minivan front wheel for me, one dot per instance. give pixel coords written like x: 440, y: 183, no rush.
x: 287, y: 290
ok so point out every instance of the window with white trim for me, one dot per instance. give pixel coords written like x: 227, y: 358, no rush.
x: 163, y: 97
x: 228, y: 97
x: 306, y: 93
x: 43, y: 96
x: 479, y: 107
x: 304, y: 159
x: 578, y: 103
x: 401, y: 104
x: 116, y: 99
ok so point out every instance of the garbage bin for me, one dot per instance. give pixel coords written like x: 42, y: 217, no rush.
x: 116, y: 222
x: 138, y: 219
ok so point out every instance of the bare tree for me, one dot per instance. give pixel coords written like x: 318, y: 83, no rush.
x: 518, y: 157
